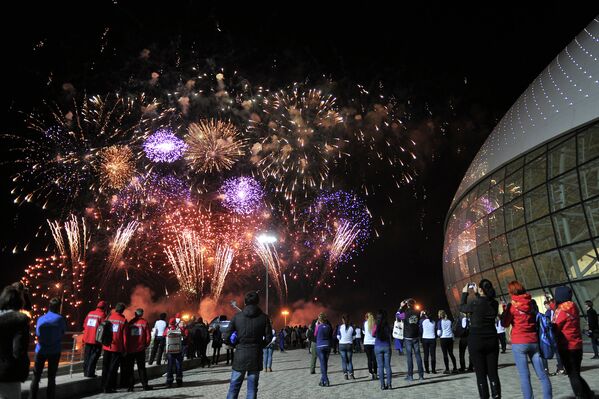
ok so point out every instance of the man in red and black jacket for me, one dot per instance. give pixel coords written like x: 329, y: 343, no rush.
x: 113, y: 353
x: 93, y: 349
x: 137, y: 340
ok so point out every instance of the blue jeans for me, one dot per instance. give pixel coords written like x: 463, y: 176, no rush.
x: 383, y: 360
x: 175, y: 363
x: 413, y: 346
x: 523, y: 352
x: 323, y: 357
x: 236, y: 381
x: 267, y: 354
x: 346, y: 351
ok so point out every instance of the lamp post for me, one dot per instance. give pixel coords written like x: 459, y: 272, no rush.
x: 266, y: 239
x: 285, y: 313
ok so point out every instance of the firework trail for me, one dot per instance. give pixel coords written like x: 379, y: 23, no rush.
x: 119, y: 243
x: 270, y: 259
x: 222, y: 264
x: 345, y: 236
x: 186, y: 257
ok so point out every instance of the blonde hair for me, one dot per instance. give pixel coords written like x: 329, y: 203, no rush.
x: 442, y: 314
x: 369, y: 321
x: 322, y: 317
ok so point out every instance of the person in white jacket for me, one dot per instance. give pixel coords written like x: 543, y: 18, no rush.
x: 369, y: 341
x: 445, y: 333
x: 429, y: 343
x: 345, y: 335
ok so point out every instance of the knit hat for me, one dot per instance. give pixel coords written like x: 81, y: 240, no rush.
x: 562, y: 294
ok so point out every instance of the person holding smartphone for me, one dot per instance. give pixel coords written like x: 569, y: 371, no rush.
x: 482, y: 340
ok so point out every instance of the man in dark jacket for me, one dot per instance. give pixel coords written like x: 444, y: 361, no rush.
x: 250, y: 331
x: 202, y: 337
x: 411, y: 335
x: 593, y: 327
x: 312, y: 339
x: 14, y: 340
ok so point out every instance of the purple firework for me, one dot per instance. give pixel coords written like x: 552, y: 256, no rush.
x: 164, y: 146
x: 242, y: 195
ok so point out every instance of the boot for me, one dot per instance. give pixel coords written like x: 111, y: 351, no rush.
x: 495, y: 390
x: 483, y: 390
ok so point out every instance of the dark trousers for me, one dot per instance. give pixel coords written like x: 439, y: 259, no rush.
x: 230, y: 352
x: 90, y: 359
x: 110, y: 368
x: 502, y: 341
x: 157, y: 350
x: 484, y: 352
x: 595, y: 342
x: 463, y: 347
x: 175, y: 366
x: 447, y: 349
x: 127, y: 374
x: 429, y: 345
x: 372, y: 366
x: 203, y: 346
x: 40, y: 361
x: 572, y: 361
x: 215, y: 355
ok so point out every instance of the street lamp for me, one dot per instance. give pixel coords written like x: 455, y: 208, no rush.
x: 265, y: 239
x: 285, y: 313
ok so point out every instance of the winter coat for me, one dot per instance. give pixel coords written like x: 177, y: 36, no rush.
x: 567, y: 325
x: 217, y: 339
x: 137, y: 335
x: 254, y: 333
x: 521, y: 314
x: 483, y: 314
x: 50, y: 329
x: 411, y: 322
x: 14, y: 342
x: 90, y: 325
x: 118, y: 333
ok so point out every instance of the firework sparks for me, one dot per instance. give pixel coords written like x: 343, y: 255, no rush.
x: 242, y: 195
x: 345, y: 235
x: 270, y: 259
x: 119, y: 243
x: 163, y: 146
x: 213, y: 145
x: 186, y: 257
x: 117, y: 166
x: 222, y: 264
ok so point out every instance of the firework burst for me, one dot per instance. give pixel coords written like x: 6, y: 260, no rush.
x: 213, y: 145
x: 186, y: 255
x: 116, y: 166
x: 270, y: 259
x: 242, y: 195
x: 164, y: 147
x: 222, y: 263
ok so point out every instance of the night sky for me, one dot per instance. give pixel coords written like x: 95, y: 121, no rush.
x: 462, y: 67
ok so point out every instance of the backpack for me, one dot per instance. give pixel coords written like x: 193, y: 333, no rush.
x: 174, y: 341
x: 104, y: 333
x: 547, y: 342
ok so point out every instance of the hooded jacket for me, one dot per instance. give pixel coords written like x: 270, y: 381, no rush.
x: 14, y: 342
x: 118, y: 333
x: 137, y: 335
x: 254, y: 332
x: 567, y: 325
x: 90, y: 325
x: 521, y: 314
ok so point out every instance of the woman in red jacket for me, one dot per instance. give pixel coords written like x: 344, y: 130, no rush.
x: 566, y: 320
x: 521, y: 314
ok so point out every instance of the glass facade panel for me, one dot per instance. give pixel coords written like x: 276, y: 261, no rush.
x: 580, y: 260
x: 588, y: 144
x: 536, y: 220
x: 541, y: 235
x: 562, y: 158
x: 500, y: 251
x: 518, y: 243
x: 589, y: 179
x: 535, y: 173
x: 514, y: 214
x: 513, y: 186
x: 526, y: 273
x: 564, y: 191
x: 551, y: 268
x: 535, y: 203
x: 571, y: 226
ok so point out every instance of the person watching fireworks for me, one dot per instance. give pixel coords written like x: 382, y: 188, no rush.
x: 411, y: 334
x: 113, y: 353
x: 93, y: 348
x: 137, y: 340
x: 174, y: 353
x: 159, y: 339
x: 324, y: 339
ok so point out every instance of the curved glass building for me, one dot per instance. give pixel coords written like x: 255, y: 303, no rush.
x: 528, y: 206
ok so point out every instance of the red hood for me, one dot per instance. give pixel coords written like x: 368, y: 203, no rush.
x: 569, y: 307
x: 522, y: 302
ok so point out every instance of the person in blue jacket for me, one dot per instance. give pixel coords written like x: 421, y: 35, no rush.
x: 50, y: 329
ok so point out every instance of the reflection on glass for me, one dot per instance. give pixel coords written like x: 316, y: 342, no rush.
x: 514, y: 214
x: 564, y: 191
x: 535, y: 154
x: 505, y: 274
x: 571, y: 226
x: 518, y: 243
x: 500, y: 251
x: 592, y: 210
x: 482, y: 231
x: 526, y: 273
x: 588, y: 143
x: 513, y: 186
x: 485, y: 260
x: 541, y: 235
x: 587, y: 291
x: 535, y: 173
x: 580, y: 260
x: 496, y: 223
x: 496, y: 195
x: 473, y: 262
x: 535, y: 203
x: 550, y: 267
x: 562, y: 158
x: 514, y: 165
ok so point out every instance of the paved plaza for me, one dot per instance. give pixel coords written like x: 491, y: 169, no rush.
x: 291, y: 379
